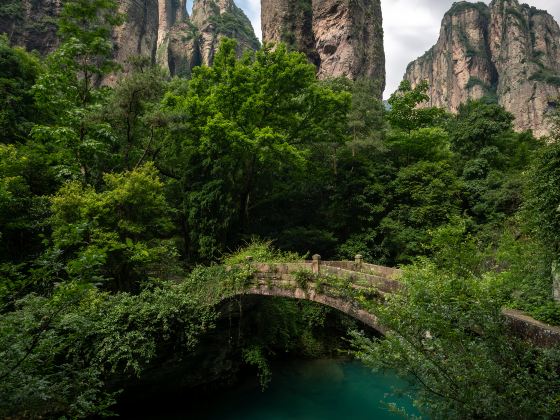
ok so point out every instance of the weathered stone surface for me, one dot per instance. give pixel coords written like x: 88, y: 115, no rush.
x: 526, y: 51
x: 341, y: 37
x: 458, y: 67
x: 505, y: 50
x: 31, y: 23
x: 281, y: 280
x: 179, y: 52
x: 349, y: 39
x: 536, y: 332
x: 216, y: 19
x: 177, y: 42
x: 138, y: 35
x: 291, y: 22
x: 343, y: 305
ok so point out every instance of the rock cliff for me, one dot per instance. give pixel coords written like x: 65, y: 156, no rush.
x: 216, y: 19
x: 158, y: 29
x: 506, y: 51
x: 138, y: 35
x: 30, y: 23
x: 341, y: 37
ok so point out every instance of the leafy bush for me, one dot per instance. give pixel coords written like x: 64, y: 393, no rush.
x: 547, y: 312
x: 123, y: 227
x: 303, y: 278
x: 260, y: 251
x: 254, y: 356
x: 12, y: 9
x: 59, y: 352
x: 447, y: 334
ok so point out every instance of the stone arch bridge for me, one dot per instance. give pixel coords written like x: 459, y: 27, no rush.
x: 343, y: 285
x: 348, y: 286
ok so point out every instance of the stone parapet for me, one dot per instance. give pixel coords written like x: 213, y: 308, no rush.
x: 536, y: 332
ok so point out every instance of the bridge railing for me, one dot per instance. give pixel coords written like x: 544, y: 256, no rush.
x: 358, y: 265
x: 384, y: 279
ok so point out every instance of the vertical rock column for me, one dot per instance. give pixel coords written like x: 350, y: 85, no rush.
x: 166, y: 19
x: 178, y: 48
x: 459, y: 66
x: 290, y: 22
x: 181, y: 12
x: 138, y: 35
x: 31, y: 23
x: 341, y: 37
x: 216, y: 19
x: 349, y: 39
x: 508, y: 51
x: 525, y: 44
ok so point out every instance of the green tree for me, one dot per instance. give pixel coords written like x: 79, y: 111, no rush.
x: 116, y: 238
x: 407, y: 114
x: 66, y: 90
x: 239, y: 128
x: 425, y: 195
x: 60, y: 353
x: 543, y: 204
x: 86, y: 28
x: 429, y: 144
x: 25, y: 182
x: 447, y: 334
x: 490, y: 158
x: 540, y: 247
x: 480, y: 125
x: 131, y: 110
x: 18, y: 73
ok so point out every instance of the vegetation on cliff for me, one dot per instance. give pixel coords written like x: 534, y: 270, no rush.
x: 505, y: 52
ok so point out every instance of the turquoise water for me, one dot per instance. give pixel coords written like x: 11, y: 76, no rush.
x: 316, y: 389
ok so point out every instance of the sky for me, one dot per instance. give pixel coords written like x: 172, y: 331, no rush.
x: 411, y: 28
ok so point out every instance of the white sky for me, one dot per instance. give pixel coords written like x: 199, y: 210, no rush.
x: 411, y: 27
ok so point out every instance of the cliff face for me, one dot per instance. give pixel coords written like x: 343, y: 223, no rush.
x: 30, y: 23
x: 138, y: 35
x: 158, y: 29
x: 349, y: 39
x: 176, y: 48
x: 341, y: 37
x: 508, y: 51
x: 184, y: 42
x: 216, y: 19
x: 291, y: 22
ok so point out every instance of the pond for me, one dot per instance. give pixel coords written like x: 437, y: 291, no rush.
x: 312, y: 389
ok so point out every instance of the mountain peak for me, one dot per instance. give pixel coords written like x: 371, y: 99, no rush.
x: 507, y: 52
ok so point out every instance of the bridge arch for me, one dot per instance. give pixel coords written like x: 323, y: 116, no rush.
x: 323, y: 281
x: 345, y: 306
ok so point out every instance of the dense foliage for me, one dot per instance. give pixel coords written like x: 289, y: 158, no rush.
x: 112, y: 195
x: 448, y: 336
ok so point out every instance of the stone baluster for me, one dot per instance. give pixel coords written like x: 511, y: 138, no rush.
x: 316, y: 264
x: 358, y: 261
